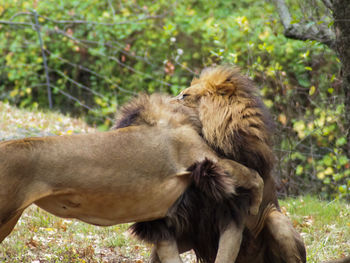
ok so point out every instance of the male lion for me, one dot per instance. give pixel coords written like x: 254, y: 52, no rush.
x: 237, y: 126
x: 127, y: 175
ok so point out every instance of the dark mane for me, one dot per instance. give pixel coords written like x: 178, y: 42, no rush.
x: 203, y: 204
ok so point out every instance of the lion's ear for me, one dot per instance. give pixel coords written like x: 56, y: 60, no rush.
x: 194, y: 80
x: 225, y: 89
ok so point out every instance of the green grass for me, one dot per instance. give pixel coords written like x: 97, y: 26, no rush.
x: 324, y: 225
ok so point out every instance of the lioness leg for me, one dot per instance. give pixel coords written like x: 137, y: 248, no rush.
x: 288, y: 241
x: 229, y: 246
x: 7, y: 226
x: 183, y: 246
x: 230, y: 243
x: 166, y: 252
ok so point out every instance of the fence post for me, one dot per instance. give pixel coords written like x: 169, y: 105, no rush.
x: 48, y: 85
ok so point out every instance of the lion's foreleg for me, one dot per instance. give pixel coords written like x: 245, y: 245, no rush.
x: 248, y: 179
x: 289, y: 243
x: 166, y: 252
x: 229, y: 243
x: 7, y: 226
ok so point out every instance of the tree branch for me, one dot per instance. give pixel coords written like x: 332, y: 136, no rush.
x: 303, y: 31
x: 328, y: 4
x: 15, y: 23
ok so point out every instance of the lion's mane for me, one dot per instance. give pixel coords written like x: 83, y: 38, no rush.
x: 234, y: 119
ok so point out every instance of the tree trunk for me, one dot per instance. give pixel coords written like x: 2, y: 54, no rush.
x: 341, y: 14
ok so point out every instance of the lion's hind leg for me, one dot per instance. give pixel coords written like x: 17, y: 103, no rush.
x: 288, y: 243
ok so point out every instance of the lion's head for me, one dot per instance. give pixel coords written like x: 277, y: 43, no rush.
x: 233, y: 116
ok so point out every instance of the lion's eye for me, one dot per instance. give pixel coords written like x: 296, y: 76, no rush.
x: 185, y: 95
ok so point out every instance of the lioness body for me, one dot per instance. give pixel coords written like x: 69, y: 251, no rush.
x: 102, y: 178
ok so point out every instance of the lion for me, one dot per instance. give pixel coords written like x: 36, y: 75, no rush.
x: 131, y: 174
x: 242, y: 132
x: 234, y: 123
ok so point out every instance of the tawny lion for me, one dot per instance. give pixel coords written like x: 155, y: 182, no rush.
x: 235, y: 123
x: 238, y: 126
x: 127, y: 175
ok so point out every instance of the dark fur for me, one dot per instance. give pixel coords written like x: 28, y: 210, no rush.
x: 208, y: 201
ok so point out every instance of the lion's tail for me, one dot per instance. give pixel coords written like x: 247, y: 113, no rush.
x: 212, y: 180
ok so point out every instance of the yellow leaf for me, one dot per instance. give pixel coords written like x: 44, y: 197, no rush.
x: 321, y: 175
x: 329, y: 171
x: 282, y: 119
x: 264, y: 35
x: 268, y: 103
x: 312, y: 90
x: 105, y: 14
x: 13, y: 93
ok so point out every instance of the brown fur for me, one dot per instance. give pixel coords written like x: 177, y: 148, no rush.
x: 106, y: 178
x: 236, y: 124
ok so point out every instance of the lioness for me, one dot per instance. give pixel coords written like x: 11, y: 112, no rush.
x: 131, y: 174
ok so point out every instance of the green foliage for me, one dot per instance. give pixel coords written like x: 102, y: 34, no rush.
x: 100, y: 53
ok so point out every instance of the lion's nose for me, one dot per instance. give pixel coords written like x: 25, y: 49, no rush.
x: 178, y: 97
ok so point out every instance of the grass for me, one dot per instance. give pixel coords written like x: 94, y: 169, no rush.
x: 42, y: 238
x: 324, y: 225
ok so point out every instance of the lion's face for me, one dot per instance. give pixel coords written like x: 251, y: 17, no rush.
x: 213, y: 84
x: 191, y: 96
